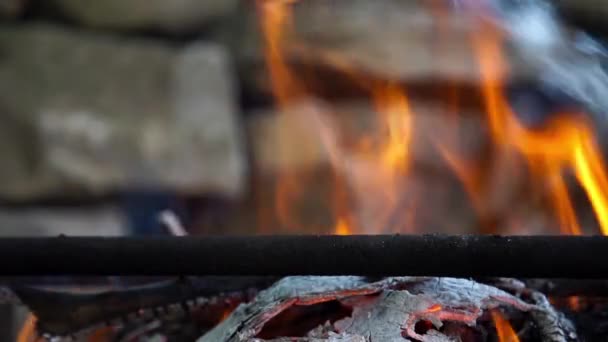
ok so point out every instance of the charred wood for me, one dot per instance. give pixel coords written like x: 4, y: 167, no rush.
x: 384, y: 310
x: 553, y: 325
x: 67, y: 310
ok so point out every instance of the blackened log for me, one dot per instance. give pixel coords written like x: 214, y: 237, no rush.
x: 556, y: 288
x: 63, y: 311
x: 569, y: 287
x: 7, y: 321
x: 390, y: 316
x: 553, y: 326
x: 381, y: 255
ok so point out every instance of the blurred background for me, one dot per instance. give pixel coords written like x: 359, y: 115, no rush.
x: 114, y: 111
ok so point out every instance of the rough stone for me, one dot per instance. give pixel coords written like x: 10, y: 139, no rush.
x: 86, y: 113
x: 88, y: 221
x: 168, y: 15
x: 394, y: 39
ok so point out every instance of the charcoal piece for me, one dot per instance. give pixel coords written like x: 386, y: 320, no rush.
x: 569, y: 287
x: 389, y: 310
x: 553, y: 325
x: 247, y: 320
x: 64, y: 311
x: 7, y: 296
x: 336, y: 338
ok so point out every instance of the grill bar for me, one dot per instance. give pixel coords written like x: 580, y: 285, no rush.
x: 380, y: 255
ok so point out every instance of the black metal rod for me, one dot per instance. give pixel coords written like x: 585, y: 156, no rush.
x: 383, y: 255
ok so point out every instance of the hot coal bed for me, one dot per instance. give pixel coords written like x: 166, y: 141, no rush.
x: 311, y: 288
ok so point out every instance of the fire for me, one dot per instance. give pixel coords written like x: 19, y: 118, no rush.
x: 375, y: 169
x: 388, y: 156
x: 101, y: 335
x: 574, y: 302
x: 28, y: 330
x: 503, y: 328
x: 394, y: 108
x: 276, y: 17
x: 567, y: 143
x: 342, y: 228
x: 434, y: 308
x: 225, y: 314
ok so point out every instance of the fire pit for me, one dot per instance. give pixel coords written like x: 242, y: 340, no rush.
x: 325, y: 306
x: 510, y: 138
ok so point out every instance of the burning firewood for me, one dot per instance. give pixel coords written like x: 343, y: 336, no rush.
x: 80, y: 309
x: 386, y: 310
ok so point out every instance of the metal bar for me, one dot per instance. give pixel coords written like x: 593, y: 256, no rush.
x: 382, y: 255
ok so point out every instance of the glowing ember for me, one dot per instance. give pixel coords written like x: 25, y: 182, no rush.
x: 225, y: 315
x: 342, y: 228
x: 503, y: 328
x: 574, y: 302
x: 101, y: 335
x: 434, y: 308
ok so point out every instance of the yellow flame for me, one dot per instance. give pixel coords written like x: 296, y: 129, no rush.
x: 390, y: 156
x: 565, y: 146
x: 563, y: 205
x: 276, y: 21
x: 275, y: 18
x: 342, y: 228
x: 394, y: 107
x: 566, y: 143
x: 503, y: 328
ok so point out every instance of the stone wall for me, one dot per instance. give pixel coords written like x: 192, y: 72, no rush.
x: 93, y: 113
x: 102, y: 99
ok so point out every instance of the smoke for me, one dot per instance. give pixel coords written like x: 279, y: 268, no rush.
x: 563, y: 58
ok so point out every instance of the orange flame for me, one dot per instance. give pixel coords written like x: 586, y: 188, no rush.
x: 225, y: 314
x: 393, y: 105
x: 375, y: 168
x: 503, y: 328
x: 566, y: 143
x: 276, y: 19
x: 342, y: 228
x: 28, y: 330
x: 390, y: 157
x: 434, y: 308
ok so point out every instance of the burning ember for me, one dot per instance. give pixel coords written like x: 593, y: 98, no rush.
x: 420, y: 309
